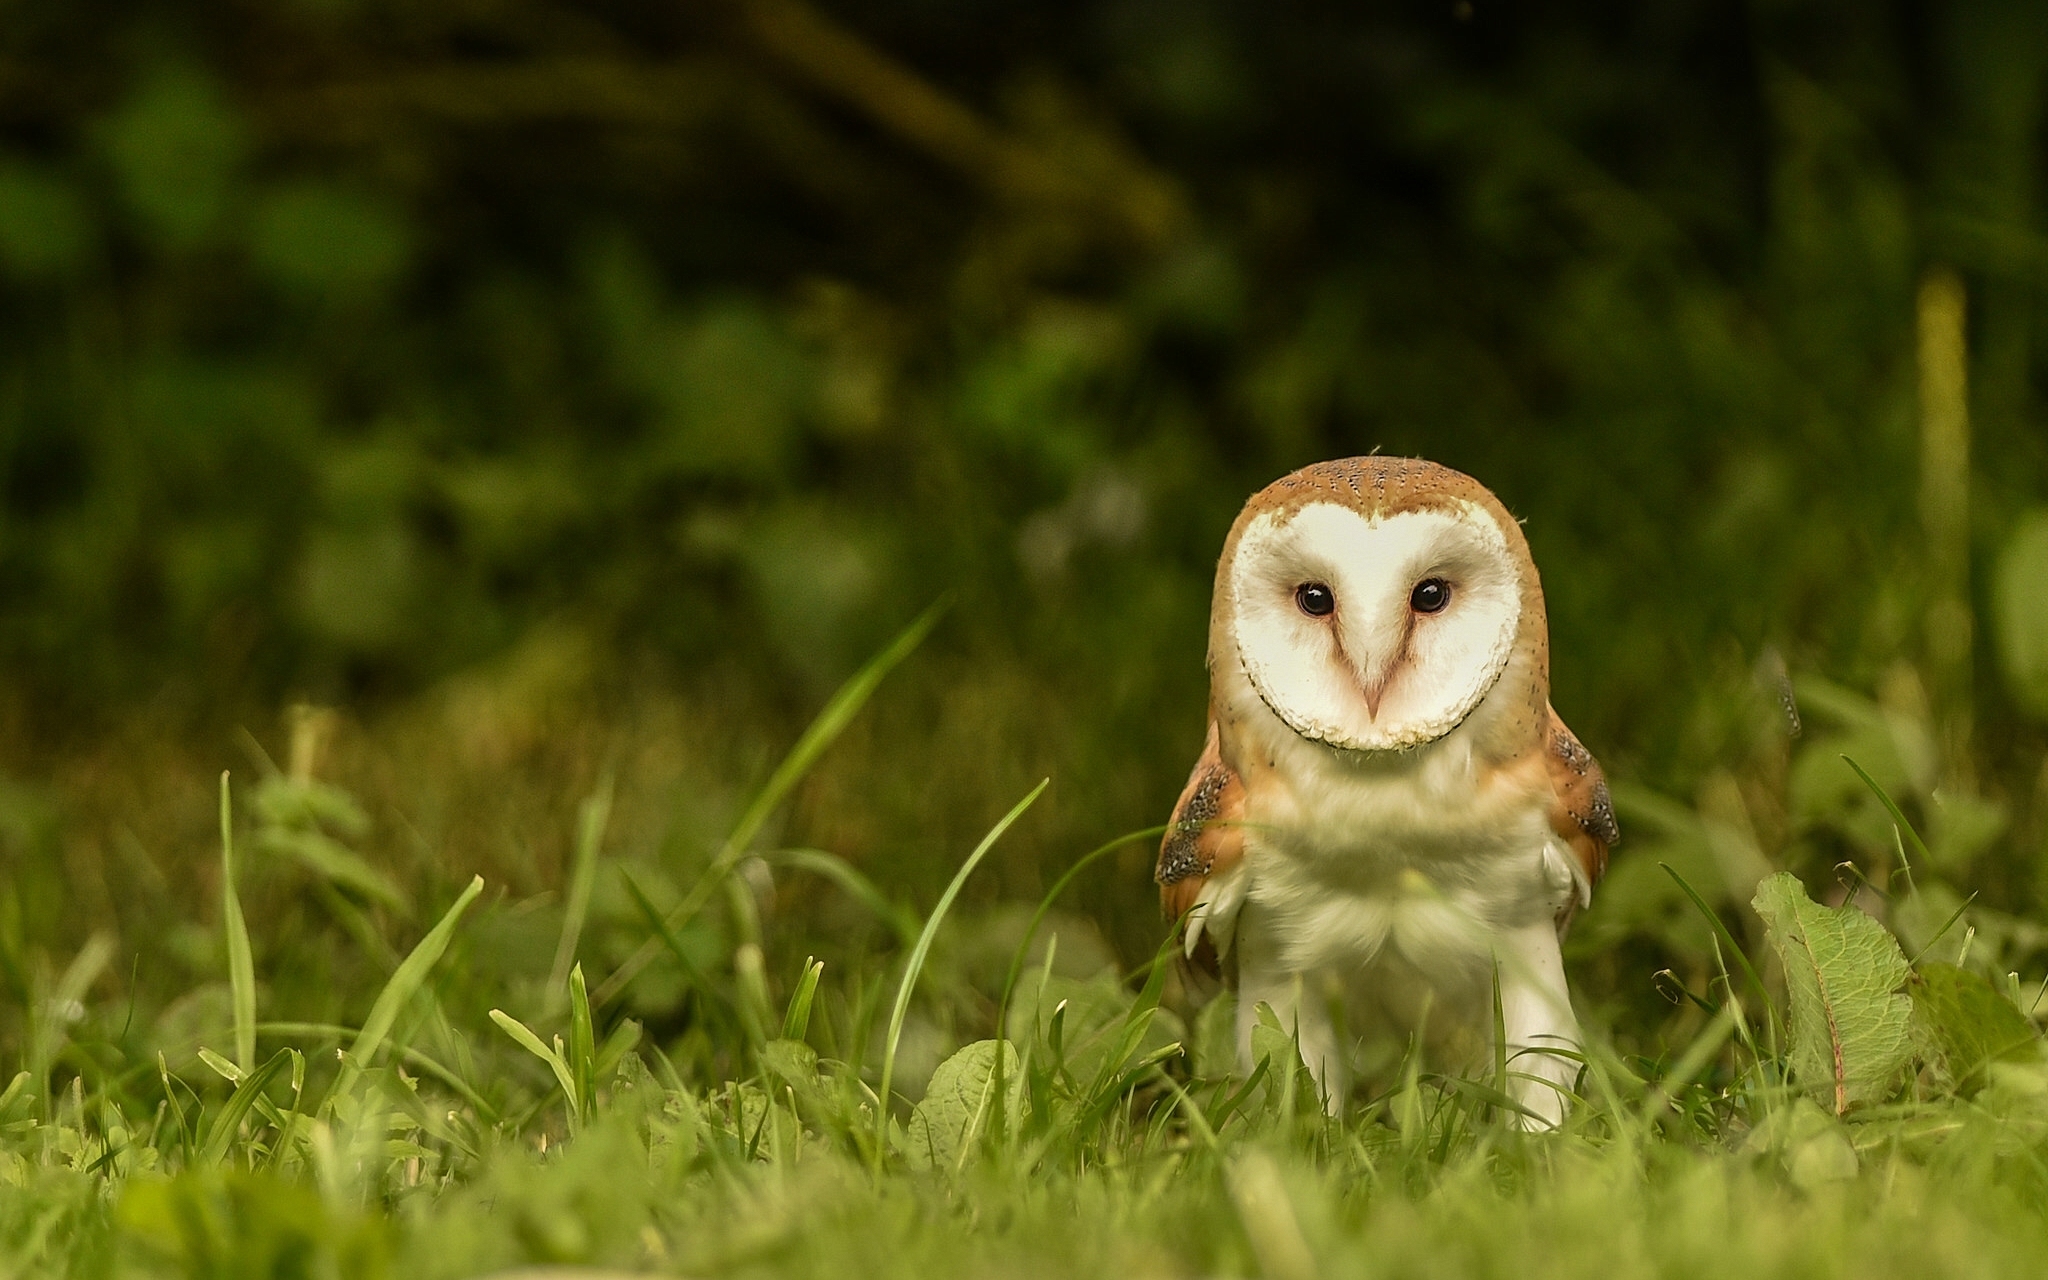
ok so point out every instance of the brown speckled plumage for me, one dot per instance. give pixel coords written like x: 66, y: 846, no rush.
x: 1583, y: 816
x: 1202, y: 839
x: 1182, y: 854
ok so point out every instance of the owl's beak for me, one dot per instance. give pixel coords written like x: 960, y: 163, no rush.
x: 1374, y: 691
x: 1375, y: 679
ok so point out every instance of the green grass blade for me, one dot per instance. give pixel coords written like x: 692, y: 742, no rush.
x: 1023, y: 951
x: 334, y: 1031
x: 532, y: 1043
x: 1942, y: 932
x: 582, y: 1042
x: 1898, y: 818
x: 1695, y: 1059
x: 241, y: 962
x: 225, y: 1124
x: 796, y: 1022
x: 1137, y: 1020
x: 700, y: 982
x: 1500, y: 1034
x: 334, y: 863
x: 16, y: 1089
x: 1728, y: 939
x: 823, y: 731
x: 915, y: 965
x: 591, y: 820
x: 1052, y: 895
x: 411, y: 972
x: 832, y: 867
x: 221, y: 1067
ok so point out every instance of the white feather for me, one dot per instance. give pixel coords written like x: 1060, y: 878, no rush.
x: 1215, y: 911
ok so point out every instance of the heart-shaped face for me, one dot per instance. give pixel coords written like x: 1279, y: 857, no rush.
x: 1374, y: 632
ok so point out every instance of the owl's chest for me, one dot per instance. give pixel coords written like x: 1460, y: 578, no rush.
x: 1425, y: 867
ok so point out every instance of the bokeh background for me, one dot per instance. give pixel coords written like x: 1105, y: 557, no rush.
x: 463, y: 402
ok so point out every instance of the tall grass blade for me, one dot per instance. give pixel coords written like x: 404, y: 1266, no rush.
x: 582, y: 1042
x: 1695, y: 1058
x: 915, y: 965
x: 1500, y: 1034
x: 1898, y: 818
x: 699, y: 981
x: 1728, y: 940
x: 411, y: 972
x: 241, y: 963
x: 1137, y: 1021
x: 796, y: 1022
x: 823, y: 731
x: 591, y: 819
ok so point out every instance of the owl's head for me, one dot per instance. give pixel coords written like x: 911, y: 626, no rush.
x: 1374, y: 603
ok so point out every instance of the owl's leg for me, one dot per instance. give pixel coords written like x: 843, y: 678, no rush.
x: 1536, y: 1011
x: 1301, y: 1004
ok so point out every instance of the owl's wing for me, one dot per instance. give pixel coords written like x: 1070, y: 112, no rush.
x: 1200, y: 871
x: 1582, y: 814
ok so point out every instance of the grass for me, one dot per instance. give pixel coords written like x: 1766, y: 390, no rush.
x: 1061, y: 1118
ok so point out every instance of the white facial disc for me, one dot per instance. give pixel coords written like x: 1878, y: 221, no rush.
x: 1427, y: 671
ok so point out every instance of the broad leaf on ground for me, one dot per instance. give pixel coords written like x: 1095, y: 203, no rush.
x: 1851, y: 1022
x: 959, y: 1102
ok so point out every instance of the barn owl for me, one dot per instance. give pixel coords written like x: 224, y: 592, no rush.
x: 1388, y: 818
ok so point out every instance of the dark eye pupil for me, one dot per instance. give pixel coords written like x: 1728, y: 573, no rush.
x: 1430, y: 595
x: 1315, y: 599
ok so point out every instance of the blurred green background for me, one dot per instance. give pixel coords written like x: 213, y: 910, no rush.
x: 560, y: 392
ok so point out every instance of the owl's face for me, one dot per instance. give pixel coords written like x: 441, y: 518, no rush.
x: 1374, y: 631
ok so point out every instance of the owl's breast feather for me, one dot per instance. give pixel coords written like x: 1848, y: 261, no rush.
x: 1432, y: 860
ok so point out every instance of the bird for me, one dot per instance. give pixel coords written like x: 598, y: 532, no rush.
x: 1389, y: 829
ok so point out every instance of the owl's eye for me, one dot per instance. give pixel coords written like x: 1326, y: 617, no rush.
x: 1430, y: 596
x: 1315, y: 599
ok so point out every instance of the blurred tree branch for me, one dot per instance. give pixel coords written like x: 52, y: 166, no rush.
x: 1084, y: 172
x: 833, y: 61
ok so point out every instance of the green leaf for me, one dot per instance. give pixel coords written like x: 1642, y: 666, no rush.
x: 1851, y: 1023
x: 327, y: 242
x: 1810, y: 1144
x: 1968, y: 1023
x: 176, y: 147
x: 958, y: 1103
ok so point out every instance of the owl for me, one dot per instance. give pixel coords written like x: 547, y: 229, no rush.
x: 1389, y: 828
